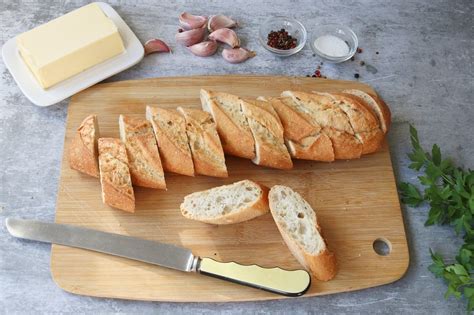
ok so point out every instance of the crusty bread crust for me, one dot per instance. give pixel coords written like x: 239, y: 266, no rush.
x: 295, y: 126
x: 258, y: 208
x: 235, y: 136
x: 83, y: 149
x: 117, y: 190
x: 142, y: 152
x: 322, y: 265
x: 170, y: 132
x: 267, y: 131
x: 363, y: 121
x: 346, y: 146
x: 206, y: 148
x: 376, y: 105
x: 317, y: 148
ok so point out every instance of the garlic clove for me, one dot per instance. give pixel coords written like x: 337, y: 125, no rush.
x: 191, y: 37
x: 227, y: 36
x: 220, y: 21
x: 204, y: 49
x: 189, y: 21
x: 237, y: 55
x: 156, y: 46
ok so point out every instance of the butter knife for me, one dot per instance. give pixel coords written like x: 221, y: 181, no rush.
x: 276, y: 280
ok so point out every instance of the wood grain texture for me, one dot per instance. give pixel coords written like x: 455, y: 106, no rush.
x: 356, y: 203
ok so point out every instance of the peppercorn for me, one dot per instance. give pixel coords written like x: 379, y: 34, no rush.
x: 359, y: 50
x: 352, y: 58
x: 362, y: 63
x: 180, y: 30
x: 376, y: 52
x: 356, y: 75
x: 281, y: 40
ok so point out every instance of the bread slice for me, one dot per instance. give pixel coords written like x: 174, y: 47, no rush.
x: 298, y: 225
x: 321, y: 109
x: 234, y: 203
x: 142, y: 152
x: 170, y: 132
x: 378, y: 107
x: 303, y: 138
x: 295, y: 126
x: 267, y: 130
x: 363, y: 121
x: 231, y: 123
x: 117, y: 190
x: 206, y: 148
x: 83, y: 150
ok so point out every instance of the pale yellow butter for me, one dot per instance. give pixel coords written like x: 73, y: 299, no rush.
x: 69, y: 44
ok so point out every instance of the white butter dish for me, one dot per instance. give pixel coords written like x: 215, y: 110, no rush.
x: 28, y: 84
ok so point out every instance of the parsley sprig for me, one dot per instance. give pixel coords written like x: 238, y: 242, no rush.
x: 449, y: 191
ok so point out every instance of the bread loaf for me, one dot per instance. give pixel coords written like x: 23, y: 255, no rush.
x: 304, y: 139
x: 298, y: 225
x: 364, y: 123
x: 322, y: 110
x: 83, y: 149
x: 206, y: 148
x: 234, y: 203
x: 267, y: 130
x: 170, y: 131
x: 115, y: 178
x: 142, y: 152
x: 378, y: 107
x: 231, y: 123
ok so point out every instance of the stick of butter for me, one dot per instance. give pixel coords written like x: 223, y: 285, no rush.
x: 69, y: 44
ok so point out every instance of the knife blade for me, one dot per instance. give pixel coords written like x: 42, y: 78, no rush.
x: 276, y: 280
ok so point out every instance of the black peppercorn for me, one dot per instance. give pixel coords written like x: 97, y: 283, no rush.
x: 356, y: 75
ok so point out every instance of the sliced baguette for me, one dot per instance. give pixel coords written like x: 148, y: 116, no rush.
x: 83, y: 150
x: 267, y: 130
x: 321, y: 109
x: 142, y: 152
x: 234, y: 203
x: 303, y: 138
x: 169, y: 127
x: 231, y: 123
x: 117, y: 190
x: 378, y: 107
x: 206, y: 148
x: 298, y: 225
x: 363, y: 121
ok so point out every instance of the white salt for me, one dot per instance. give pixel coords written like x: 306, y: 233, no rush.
x: 332, y: 46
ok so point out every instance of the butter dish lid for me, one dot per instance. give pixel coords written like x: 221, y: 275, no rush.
x: 30, y: 87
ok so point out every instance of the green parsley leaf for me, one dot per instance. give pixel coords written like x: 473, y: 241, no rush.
x: 449, y: 191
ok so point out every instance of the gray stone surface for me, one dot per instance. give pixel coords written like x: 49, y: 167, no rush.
x: 423, y: 71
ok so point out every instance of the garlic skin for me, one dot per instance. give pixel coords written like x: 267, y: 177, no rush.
x: 220, y: 21
x: 226, y: 36
x: 237, y: 55
x: 189, y: 21
x: 156, y: 45
x: 204, y: 49
x: 191, y: 37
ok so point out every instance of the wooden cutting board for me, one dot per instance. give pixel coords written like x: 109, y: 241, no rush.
x: 356, y: 203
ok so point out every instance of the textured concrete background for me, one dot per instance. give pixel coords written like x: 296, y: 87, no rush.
x: 423, y: 71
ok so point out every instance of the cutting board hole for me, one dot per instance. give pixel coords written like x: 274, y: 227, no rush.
x: 382, y: 247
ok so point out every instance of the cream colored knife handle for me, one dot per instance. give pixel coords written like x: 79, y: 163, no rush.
x: 276, y: 280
